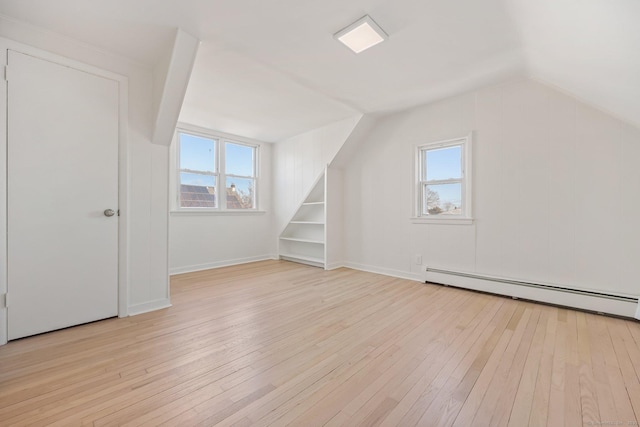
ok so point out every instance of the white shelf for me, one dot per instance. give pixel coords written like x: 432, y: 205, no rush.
x: 299, y: 239
x: 318, y: 262
x: 303, y: 239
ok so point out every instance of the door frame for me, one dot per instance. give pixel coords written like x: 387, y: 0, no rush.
x: 123, y: 171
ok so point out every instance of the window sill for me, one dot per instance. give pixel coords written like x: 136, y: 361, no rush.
x: 442, y: 221
x: 198, y: 212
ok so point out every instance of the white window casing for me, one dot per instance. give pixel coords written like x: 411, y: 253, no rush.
x: 219, y: 172
x: 420, y: 212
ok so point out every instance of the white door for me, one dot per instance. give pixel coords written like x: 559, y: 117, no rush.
x: 62, y: 174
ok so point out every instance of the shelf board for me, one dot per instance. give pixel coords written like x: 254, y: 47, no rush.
x: 307, y: 222
x: 318, y: 262
x: 298, y: 239
x: 312, y: 203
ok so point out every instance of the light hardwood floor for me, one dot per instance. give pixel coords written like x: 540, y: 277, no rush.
x: 277, y: 343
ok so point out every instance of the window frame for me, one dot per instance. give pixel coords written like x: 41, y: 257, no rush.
x: 220, y: 141
x: 254, y: 178
x: 216, y: 166
x: 465, y: 142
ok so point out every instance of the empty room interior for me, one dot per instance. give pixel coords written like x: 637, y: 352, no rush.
x: 320, y: 213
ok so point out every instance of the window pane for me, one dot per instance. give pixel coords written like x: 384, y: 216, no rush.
x: 239, y: 159
x: 240, y: 193
x: 442, y: 163
x: 197, y: 153
x: 197, y: 179
x: 443, y: 199
x: 197, y: 191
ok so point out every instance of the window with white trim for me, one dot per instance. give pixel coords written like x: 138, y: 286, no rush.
x: 444, y: 179
x: 215, y: 173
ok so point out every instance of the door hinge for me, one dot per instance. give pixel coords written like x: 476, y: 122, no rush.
x: 6, y: 299
x: 6, y: 72
x: 118, y: 212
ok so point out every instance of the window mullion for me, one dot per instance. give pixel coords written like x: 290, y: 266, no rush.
x: 178, y: 183
x: 240, y: 176
x: 222, y: 182
x: 443, y: 181
x: 198, y: 172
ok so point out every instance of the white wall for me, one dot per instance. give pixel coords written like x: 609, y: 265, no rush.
x: 297, y: 163
x: 199, y: 241
x: 334, y: 244
x: 148, y: 164
x: 556, y: 192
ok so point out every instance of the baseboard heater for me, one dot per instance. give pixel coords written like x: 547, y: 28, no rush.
x: 533, y: 285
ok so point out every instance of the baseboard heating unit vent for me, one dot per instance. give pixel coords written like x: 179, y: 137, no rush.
x: 617, y: 304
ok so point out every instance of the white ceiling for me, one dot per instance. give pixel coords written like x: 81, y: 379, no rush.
x: 588, y: 48
x: 233, y: 93
x: 271, y: 69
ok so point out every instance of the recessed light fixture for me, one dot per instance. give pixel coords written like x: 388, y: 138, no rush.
x: 361, y: 35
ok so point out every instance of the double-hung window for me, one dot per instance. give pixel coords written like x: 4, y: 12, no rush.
x: 215, y: 173
x: 444, y: 179
x: 240, y: 175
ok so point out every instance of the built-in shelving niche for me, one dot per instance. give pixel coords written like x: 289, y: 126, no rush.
x: 303, y: 239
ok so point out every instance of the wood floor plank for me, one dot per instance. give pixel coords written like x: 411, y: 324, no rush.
x: 496, y: 386
x: 556, y: 409
x: 448, y: 377
x: 523, y: 401
x: 541, y: 397
x: 278, y: 343
x: 476, y: 396
x: 509, y: 388
x: 573, y: 405
x: 588, y: 396
x: 613, y: 373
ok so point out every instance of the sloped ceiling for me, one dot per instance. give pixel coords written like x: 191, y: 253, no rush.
x: 588, y: 48
x: 271, y: 69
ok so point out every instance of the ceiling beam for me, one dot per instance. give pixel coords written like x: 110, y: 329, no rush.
x: 171, y: 78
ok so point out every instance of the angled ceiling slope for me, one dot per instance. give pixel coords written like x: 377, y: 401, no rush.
x: 170, y: 84
x: 269, y: 70
x: 589, y: 49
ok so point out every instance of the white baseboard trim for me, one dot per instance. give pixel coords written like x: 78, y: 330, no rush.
x: 550, y: 296
x: 384, y: 271
x: 334, y: 265
x: 4, y: 333
x: 218, y: 264
x: 146, y: 307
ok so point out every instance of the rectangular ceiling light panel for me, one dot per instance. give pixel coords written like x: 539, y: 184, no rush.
x: 361, y: 35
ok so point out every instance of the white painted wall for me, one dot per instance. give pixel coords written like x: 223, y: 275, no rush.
x: 203, y: 240
x: 297, y: 163
x: 556, y: 192
x: 148, y: 164
x: 334, y: 244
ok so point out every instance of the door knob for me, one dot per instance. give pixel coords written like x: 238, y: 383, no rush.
x: 109, y: 212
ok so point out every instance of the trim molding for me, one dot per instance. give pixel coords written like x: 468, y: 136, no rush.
x: 201, y: 212
x: 384, y: 271
x: 542, y: 285
x: 334, y: 265
x: 146, y: 307
x: 594, y: 303
x: 218, y: 264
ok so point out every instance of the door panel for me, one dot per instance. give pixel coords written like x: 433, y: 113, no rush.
x: 62, y: 174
